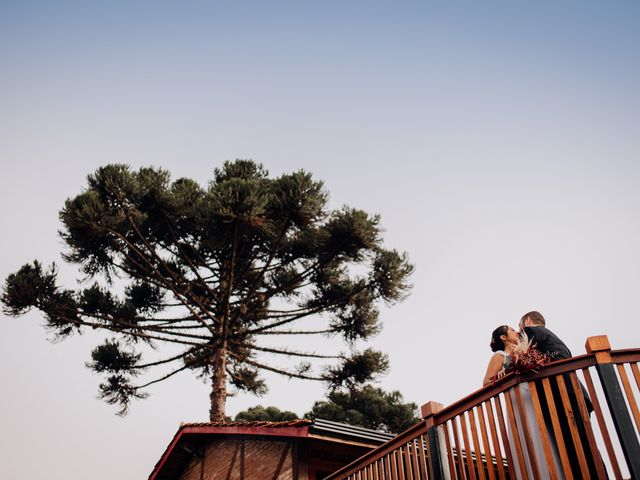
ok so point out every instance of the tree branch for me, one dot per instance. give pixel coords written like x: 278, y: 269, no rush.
x: 277, y: 370
x: 162, y: 378
x: 167, y: 360
x: 299, y: 332
x: 285, y: 352
x: 133, y: 326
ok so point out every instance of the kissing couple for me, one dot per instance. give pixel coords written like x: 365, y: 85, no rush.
x: 505, y: 340
x: 534, y: 336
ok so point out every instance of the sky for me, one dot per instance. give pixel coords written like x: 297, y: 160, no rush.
x: 498, y: 140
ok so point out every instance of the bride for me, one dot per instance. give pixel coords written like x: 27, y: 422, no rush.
x: 504, y: 340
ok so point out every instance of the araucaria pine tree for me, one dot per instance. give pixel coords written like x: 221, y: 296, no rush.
x: 214, y: 271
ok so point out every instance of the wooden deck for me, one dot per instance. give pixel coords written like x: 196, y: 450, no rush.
x: 526, y: 427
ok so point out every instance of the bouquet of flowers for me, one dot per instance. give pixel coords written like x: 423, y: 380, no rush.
x: 526, y: 357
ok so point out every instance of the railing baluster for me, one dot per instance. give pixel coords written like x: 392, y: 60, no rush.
x: 467, y: 446
x: 630, y: 397
x: 423, y: 444
x: 401, y: 464
x: 515, y: 435
x: 528, y: 440
x: 394, y: 466
x: 573, y: 427
x: 546, y: 444
x: 462, y: 472
x: 557, y: 430
x: 636, y: 373
x: 447, y: 436
x: 476, y: 445
x: 388, y: 460
x: 604, y: 431
x: 596, y: 459
x: 495, y: 442
x: 485, y: 442
x: 407, y: 462
x: 505, y: 437
x: 413, y: 455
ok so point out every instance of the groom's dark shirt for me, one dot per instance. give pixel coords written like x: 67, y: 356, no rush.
x: 547, y: 342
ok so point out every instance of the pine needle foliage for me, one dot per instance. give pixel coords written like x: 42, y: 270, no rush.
x: 367, y: 406
x: 215, y: 271
x: 265, y: 414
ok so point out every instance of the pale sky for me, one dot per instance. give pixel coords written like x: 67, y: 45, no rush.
x: 499, y: 141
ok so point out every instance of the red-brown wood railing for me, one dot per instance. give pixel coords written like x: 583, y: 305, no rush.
x: 525, y: 426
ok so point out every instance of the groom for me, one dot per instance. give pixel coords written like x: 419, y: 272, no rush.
x: 544, y: 340
x: 534, y: 325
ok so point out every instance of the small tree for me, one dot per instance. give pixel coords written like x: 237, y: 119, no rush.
x: 265, y: 414
x: 368, y: 407
x: 215, y: 271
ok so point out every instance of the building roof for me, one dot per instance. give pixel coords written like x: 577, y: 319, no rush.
x: 181, y: 449
x: 350, y: 432
x: 253, y: 423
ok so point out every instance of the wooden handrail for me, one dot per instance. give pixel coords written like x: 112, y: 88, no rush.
x: 628, y: 355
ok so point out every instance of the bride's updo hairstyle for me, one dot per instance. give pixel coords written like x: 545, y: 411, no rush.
x: 496, y: 342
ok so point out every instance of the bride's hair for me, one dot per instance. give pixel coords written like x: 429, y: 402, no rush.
x: 496, y: 342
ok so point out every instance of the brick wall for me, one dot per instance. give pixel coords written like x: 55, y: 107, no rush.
x: 226, y: 459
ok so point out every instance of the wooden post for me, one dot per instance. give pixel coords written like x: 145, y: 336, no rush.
x: 599, y: 346
x: 436, y: 447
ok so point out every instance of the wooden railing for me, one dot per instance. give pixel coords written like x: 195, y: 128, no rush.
x: 531, y: 426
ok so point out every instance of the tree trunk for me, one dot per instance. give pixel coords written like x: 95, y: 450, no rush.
x: 219, y: 380
x: 219, y: 385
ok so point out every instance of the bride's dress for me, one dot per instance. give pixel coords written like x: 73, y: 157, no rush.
x: 534, y: 434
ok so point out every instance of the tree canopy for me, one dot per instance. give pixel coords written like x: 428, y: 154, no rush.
x: 229, y: 274
x: 367, y: 406
x: 265, y: 414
